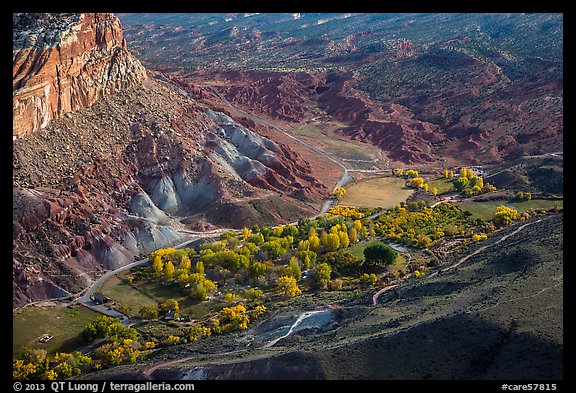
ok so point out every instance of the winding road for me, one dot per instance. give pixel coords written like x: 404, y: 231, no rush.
x: 86, y: 297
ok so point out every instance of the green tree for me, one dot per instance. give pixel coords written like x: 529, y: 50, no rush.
x: 460, y: 183
x: 199, y: 268
x: 342, y: 263
x: 149, y: 312
x: 253, y: 294
x: 321, y: 273
x: 200, y: 292
x: 257, y: 269
x: 473, y: 181
x: 98, y: 328
x: 379, y: 255
x: 294, y: 268
x: 363, y: 234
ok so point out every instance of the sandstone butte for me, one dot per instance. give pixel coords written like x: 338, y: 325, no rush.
x: 65, y: 63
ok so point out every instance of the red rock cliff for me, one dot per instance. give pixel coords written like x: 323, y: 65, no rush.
x: 66, y: 62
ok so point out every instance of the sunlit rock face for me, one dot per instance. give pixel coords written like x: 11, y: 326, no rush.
x: 66, y: 62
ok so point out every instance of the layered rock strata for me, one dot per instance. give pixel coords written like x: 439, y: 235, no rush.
x: 66, y: 62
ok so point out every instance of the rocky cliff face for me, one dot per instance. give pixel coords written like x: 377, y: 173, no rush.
x: 135, y: 164
x: 66, y: 62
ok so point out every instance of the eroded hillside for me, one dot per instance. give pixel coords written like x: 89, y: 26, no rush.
x: 105, y: 181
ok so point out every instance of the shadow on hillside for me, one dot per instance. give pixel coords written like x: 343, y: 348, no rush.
x: 461, y: 347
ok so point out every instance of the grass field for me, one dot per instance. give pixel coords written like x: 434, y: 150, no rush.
x: 324, y: 136
x: 125, y: 294
x: 442, y: 185
x: 152, y: 293
x: 384, y: 192
x: 58, y: 321
x: 485, y: 210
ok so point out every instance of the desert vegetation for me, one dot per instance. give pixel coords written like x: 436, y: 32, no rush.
x: 222, y: 286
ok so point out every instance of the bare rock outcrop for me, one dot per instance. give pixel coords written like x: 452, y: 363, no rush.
x: 66, y: 62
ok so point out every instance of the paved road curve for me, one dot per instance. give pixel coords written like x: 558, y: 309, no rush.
x: 86, y: 298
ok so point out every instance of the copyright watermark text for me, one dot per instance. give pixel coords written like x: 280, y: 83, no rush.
x: 529, y: 386
x: 100, y: 387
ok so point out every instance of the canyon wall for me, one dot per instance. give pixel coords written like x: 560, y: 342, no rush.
x: 66, y: 62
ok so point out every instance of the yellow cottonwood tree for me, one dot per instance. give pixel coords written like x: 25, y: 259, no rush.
x: 158, y: 265
x: 287, y: 286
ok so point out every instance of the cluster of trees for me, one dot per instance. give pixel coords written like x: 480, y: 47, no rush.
x: 469, y: 184
x: 118, y: 352
x: 503, y: 216
x: 448, y: 174
x: 176, y: 266
x: 152, y: 312
x: 229, y: 319
x: 120, y: 346
x: 339, y: 193
x: 415, y: 181
x: 419, y: 182
x: 351, y: 213
x: 523, y: 196
x: 420, y: 228
x: 36, y: 364
x: 109, y: 328
x: 345, y: 264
